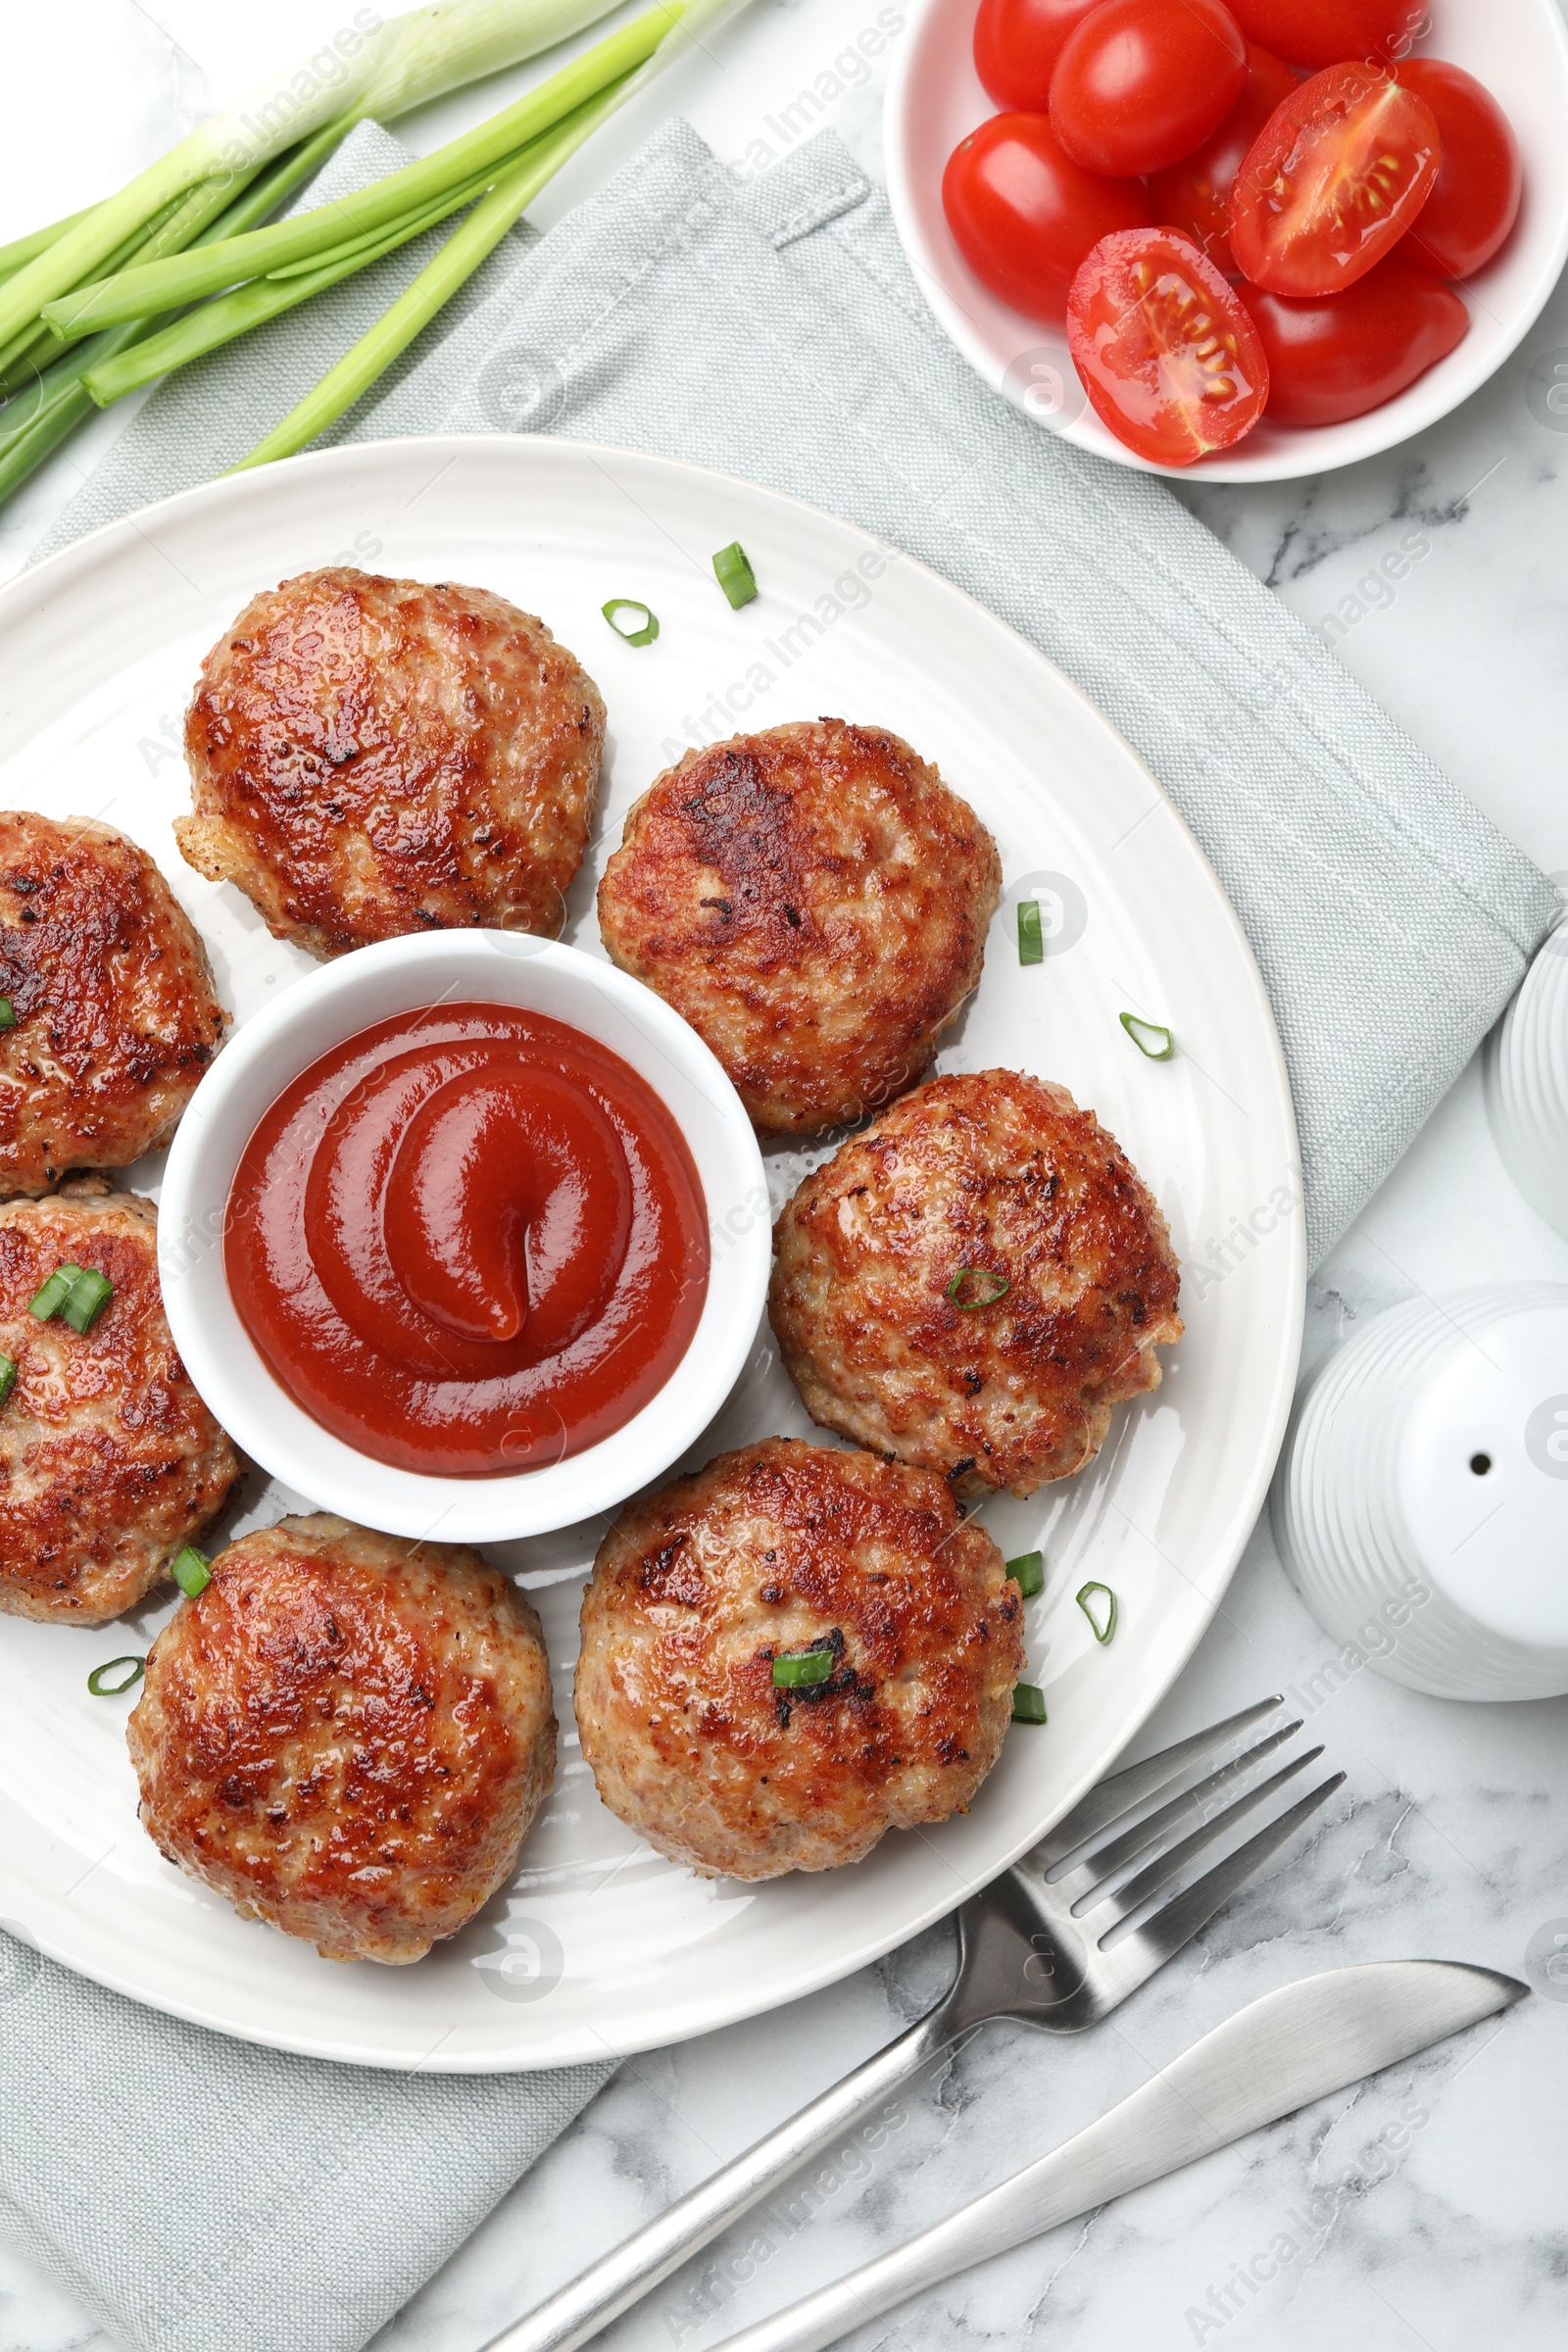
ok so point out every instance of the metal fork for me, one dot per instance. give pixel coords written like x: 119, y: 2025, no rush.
x: 1038, y: 1944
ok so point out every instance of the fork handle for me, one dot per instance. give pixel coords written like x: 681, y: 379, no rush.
x: 608, y: 2287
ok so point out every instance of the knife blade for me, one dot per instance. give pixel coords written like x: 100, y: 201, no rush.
x: 1279, y: 2054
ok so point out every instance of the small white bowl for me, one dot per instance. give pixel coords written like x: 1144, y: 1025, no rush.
x: 321, y: 1011
x: 1519, y: 50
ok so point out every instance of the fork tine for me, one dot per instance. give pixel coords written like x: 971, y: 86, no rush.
x: 1169, y: 1866
x: 1159, y: 1939
x: 1108, y: 1800
x: 1104, y: 1862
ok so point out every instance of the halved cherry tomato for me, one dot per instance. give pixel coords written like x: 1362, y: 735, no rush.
x: 1169, y: 358
x: 1024, y: 214
x: 1335, y: 177
x: 1336, y: 356
x: 1475, y: 201
x: 1325, y: 33
x: 1016, y: 45
x: 1139, y: 82
x: 1194, y: 195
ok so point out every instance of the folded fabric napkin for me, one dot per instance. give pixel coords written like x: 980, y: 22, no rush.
x: 228, y: 2199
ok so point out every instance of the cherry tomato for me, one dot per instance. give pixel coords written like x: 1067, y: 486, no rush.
x: 1139, y: 82
x: 1024, y: 214
x: 1194, y: 195
x: 1475, y: 201
x: 1168, y: 356
x: 1336, y: 356
x: 1325, y: 33
x: 1016, y: 45
x: 1335, y: 177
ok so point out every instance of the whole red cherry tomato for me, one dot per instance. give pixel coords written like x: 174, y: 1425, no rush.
x: 1024, y: 214
x: 1169, y: 358
x: 1194, y: 195
x: 1336, y: 356
x: 1335, y: 177
x: 1325, y: 33
x: 1139, y: 82
x: 1016, y: 45
x: 1475, y: 200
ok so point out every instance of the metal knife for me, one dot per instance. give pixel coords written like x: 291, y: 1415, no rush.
x: 1278, y: 2054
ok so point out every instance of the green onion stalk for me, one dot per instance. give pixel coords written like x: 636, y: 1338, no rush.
x: 376, y: 70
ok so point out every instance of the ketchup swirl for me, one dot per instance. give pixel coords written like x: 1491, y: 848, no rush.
x: 468, y: 1241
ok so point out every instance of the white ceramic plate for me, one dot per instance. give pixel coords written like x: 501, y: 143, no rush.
x: 1518, y: 48
x: 598, y: 1944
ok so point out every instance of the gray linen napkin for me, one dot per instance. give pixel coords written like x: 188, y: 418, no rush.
x: 776, y: 332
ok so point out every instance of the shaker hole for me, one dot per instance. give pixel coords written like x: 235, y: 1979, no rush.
x: 1481, y: 1463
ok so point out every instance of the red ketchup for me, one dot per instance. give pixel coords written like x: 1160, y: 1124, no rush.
x: 468, y: 1241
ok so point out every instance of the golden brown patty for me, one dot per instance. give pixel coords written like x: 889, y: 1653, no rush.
x: 115, y: 1014
x: 1000, y: 1178
x: 697, y: 1590
x: 109, y: 1459
x: 373, y: 757
x: 815, y: 901
x: 346, y: 1735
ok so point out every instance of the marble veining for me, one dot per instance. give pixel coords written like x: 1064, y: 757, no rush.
x: 1426, y: 2208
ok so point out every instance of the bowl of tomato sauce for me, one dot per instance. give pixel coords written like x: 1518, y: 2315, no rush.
x: 1253, y: 238
x: 466, y: 1233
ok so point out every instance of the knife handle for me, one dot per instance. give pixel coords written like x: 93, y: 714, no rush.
x: 578, y: 2311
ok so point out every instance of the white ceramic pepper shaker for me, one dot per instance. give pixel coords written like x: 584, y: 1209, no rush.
x: 1421, y: 1502
x: 1525, y: 1083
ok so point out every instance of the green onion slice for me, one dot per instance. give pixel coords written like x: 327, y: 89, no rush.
x: 191, y: 1571
x: 735, y: 575
x: 90, y: 1293
x: 815, y: 1665
x: 998, y: 1287
x: 1138, y: 1030
x: 1028, y: 1573
x: 647, y: 628
x: 1105, y: 1600
x: 8, y: 1375
x: 56, y: 1291
x: 1031, y: 937
x: 99, y: 1684
x: 1028, y: 1704
x: 8, y: 1013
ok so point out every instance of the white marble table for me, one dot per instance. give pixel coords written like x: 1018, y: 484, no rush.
x: 1429, y: 2209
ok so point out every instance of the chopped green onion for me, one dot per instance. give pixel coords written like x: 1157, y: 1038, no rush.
x: 8, y: 1375
x: 1028, y: 1573
x: 90, y: 1293
x: 1028, y: 1704
x: 100, y: 1686
x: 8, y: 1013
x: 191, y: 1571
x: 1108, y: 1612
x: 1131, y: 1024
x: 735, y: 575
x: 1031, y: 937
x: 984, y: 1274
x: 815, y: 1665
x: 647, y: 628
x: 56, y: 1291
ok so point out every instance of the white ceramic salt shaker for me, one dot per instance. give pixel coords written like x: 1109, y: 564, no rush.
x: 1421, y: 1504
x: 1525, y: 1083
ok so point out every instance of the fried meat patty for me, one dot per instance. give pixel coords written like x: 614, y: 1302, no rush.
x: 346, y: 1735
x: 986, y: 1181
x: 815, y: 900
x: 114, y: 1016
x: 109, y: 1461
x: 373, y: 757
x: 780, y: 1548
